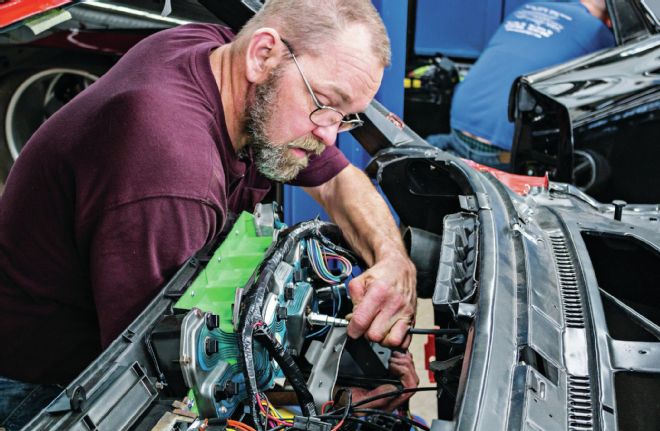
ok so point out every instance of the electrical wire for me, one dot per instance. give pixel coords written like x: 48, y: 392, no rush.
x: 325, y: 404
x: 393, y: 416
x: 250, y: 312
x: 321, y: 256
x: 345, y: 414
x: 239, y: 425
x: 364, y: 425
x: 273, y: 410
x: 390, y: 394
x: 267, y: 414
x: 336, y: 306
x: 332, y: 289
x: 347, y: 409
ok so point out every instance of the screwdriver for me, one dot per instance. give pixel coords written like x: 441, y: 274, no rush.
x: 317, y: 319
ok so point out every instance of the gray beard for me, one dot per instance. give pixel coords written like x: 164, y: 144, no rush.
x: 274, y: 161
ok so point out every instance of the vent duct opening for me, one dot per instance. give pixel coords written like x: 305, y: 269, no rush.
x: 627, y: 273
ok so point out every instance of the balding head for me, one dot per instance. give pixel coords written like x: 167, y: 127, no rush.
x: 308, y: 25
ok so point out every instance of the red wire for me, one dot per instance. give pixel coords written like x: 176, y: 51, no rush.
x: 269, y: 416
x: 341, y: 422
x: 326, y: 404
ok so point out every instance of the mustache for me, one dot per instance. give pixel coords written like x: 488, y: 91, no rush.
x: 308, y: 143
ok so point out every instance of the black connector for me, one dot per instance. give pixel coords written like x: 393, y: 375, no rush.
x: 227, y: 391
x: 310, y: 424
x: 281, y: 313
x: 211, y: 346
x: 212, y: 321
x: 289, y: 292
x: 232, y: 388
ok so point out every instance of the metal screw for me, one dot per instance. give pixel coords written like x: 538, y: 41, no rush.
x: 223, y: 409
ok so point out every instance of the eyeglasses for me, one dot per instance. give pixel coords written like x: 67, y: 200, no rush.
x: 323, y: 115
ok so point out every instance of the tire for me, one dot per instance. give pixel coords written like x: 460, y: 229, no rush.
x: 29, y: 96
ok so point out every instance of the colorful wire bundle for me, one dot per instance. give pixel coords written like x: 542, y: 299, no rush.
x: 239, y: 426
x: 320, y: 256
x: 273, y: 416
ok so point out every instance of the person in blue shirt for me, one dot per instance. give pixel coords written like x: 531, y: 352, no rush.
x: 535, y: 36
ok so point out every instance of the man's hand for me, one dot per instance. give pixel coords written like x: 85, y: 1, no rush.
x: 402, y: 365
x: 384, y: 299
x: 384, y: 296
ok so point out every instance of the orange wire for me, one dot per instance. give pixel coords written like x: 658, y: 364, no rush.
x: 240, y: 425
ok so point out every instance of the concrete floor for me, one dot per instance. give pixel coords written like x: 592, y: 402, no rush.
x: 423, y: 404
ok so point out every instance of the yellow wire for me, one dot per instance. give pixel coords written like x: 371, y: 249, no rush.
x: 275, y: 412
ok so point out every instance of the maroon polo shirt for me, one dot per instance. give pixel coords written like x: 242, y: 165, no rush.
x: 111, y: 195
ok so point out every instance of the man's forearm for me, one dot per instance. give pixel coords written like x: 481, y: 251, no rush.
x: 384, y: 296
x: 354, y: 204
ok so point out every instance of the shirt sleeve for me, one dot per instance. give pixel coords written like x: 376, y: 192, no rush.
x: 322, y: 168
x: 136, y: 248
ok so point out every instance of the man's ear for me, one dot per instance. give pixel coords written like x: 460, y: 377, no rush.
x: 262, y: 55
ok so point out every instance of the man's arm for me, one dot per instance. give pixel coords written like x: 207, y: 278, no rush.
x: 135, y: 248
x: 385, y: 295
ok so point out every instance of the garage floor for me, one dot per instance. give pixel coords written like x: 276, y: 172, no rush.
x: 422, y: 404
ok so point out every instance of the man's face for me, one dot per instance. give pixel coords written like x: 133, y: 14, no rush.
x: 277, y: 116
x: 280, y: 162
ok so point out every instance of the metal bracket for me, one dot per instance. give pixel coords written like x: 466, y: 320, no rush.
x: 201, y: 382
x: 264, y: 219
x: 325, y: 357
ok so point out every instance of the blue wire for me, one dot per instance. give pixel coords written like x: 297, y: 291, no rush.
x: 319, y: 332
x: 338, y: 300
x: 336, y: 306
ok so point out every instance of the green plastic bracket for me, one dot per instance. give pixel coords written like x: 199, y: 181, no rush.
x: 230, y: 268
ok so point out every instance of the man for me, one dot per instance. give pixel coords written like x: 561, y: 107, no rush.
x: 117, y: 189
x: 535, y: 36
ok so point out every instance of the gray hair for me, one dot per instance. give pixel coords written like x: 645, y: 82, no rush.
x: 309, y: 24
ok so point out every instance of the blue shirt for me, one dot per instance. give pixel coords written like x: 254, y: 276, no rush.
x: 535, y: 36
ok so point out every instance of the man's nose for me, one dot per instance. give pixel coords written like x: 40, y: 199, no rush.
x: 326, y: 134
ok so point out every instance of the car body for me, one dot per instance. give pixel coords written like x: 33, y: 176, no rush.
x: 594, y: 121
x: 563, y: 317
